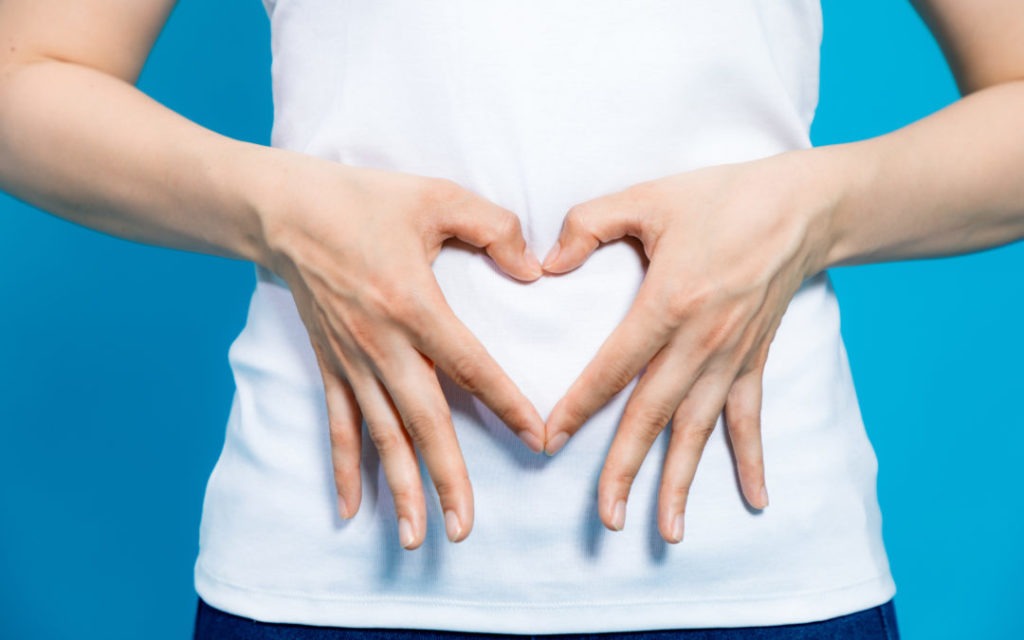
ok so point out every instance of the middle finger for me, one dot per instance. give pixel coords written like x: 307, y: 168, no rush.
x: 692, y: 425
x: 630, y: 347
x: 412, y: 383
x: 395, y: 450
x: 650, y: 406
x: 441, y: 336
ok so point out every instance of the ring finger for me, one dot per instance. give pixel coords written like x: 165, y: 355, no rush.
x: 692, y: 425
x: 397, y: 455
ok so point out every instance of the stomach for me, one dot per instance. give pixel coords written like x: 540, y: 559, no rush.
x: 536, y: 130
x: 536, y: 528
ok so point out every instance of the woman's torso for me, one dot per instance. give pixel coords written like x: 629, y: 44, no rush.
x: 538, y: 105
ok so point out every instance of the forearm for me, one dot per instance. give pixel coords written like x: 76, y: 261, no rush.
x: 950, y: 183
x: 93, y: 149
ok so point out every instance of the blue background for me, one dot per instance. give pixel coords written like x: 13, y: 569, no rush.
x: 115, y: 388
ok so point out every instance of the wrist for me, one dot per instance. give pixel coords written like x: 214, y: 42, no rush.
x: 851, y: 168
x: 257, y: 175
x: 834, y: 176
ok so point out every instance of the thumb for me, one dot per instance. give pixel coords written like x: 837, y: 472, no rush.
x: 497, y: 231
x: 587, y: 225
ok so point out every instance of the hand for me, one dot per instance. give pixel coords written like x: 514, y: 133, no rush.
x: 729, y: 246
x: 355, y: 245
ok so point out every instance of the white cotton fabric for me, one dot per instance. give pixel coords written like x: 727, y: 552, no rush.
x: 539, y: 105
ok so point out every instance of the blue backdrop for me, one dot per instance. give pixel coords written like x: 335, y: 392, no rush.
x: 114, y: 384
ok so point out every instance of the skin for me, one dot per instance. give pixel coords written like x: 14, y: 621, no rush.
x: 132, y: 168
x: 729, y: 245
x: 718, y: 282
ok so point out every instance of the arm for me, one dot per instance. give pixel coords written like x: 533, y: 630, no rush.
x: 79, y: 140
x: 952, y: 182
x: 729, y: 245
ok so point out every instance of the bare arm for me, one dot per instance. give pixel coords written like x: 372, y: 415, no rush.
x: 952, y: 182
x: 354, y: 244
x: 79, y: 140
x: 730, y: 245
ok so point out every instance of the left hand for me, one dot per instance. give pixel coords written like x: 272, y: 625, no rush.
x: 729, y: 245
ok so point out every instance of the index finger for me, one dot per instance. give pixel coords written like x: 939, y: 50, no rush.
x: 443, y: 338
x: 632, y: 345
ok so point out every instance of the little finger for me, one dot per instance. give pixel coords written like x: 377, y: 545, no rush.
x: 344, y: 422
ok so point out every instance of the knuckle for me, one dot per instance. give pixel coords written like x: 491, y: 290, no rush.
x: 344, y: 475
x: 617, y: 480
x: 745, y: 424
x: 654, y: 316
x: 751, y: 465
x: 574, y: 413
x: 613, y: 377
x: 424, y: 426
x: 576, y: 218
x: 676, y: 491
x: 681, y: 303
x: 340, y: 480
x: 374, y: 299
x: 698, y: 432
x: 512, y: 413
x: 343, y: 464
x: 719, y: 336
x: 648, y: 419
x: 702, y: 292
x: 404, y: 495
x: 363, y: 333
x: 465, y: 371
x: 386, y: 440
x: 451, y: 484
x: 616, y: 375
x: 507, y: 226
x: 343, y: 436
x: 402, y: 302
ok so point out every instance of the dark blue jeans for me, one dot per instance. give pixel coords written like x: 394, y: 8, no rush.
x: 876, y: 623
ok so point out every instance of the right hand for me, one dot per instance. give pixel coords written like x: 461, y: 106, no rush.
x: 355, y: 246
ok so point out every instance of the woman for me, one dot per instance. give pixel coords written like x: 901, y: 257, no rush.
x: 514, y: 128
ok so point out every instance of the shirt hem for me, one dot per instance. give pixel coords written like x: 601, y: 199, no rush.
x: 421, y: 612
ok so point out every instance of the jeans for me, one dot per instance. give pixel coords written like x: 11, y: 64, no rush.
x: 876, y: 623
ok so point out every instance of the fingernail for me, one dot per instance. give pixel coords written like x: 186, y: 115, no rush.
x: 677, y: 528
x: 451, y: 525
x: 619, y: 515
x: 553, y: 254
x: 342, y: 510
x: 764, y: 496
x: 534, y: 263
x: 556, y: 443
x: 532, y: 441
x: 405, y: 532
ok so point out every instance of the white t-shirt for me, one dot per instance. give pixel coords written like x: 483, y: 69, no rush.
x: 538, y: 105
